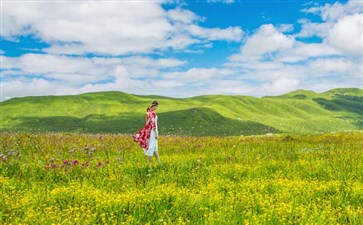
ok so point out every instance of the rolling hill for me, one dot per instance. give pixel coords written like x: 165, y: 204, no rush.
x: 215, y: 115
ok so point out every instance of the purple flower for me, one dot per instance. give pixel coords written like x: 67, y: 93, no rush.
x: 54, y: 166
x: 65, y: 163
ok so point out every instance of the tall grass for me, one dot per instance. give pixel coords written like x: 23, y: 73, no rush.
x: 65, y: 178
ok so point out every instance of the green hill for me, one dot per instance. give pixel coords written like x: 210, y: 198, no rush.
x: 217, y: 115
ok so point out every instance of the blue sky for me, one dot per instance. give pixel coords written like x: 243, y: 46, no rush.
x: 179, y: 48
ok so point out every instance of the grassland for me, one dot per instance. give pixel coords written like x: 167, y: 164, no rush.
x: 214, y: 115
x: 68, y: 178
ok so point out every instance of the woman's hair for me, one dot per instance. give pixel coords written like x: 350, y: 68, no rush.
x: 153, y: 103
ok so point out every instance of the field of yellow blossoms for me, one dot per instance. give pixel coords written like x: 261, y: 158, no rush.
x: 65, y: 178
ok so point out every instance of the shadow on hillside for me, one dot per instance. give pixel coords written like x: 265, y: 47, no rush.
x: 206, y: 122
x: 90, y: 124
x: 194, y: 122
x: 346, y: 103
x: 359, y: 124
x: 356, y: 121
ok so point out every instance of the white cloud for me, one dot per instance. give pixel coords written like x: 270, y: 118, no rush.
x: 169, y: 62
x: 110, y: 27
x: 35, y: 74
x: 167, y: 84
x: 72, y: 69
x: 285, y: 28
x: 310, y: 29
x: 141, y: 67
x: 308, y: 3
x: 227, y: 87
x: 266, y: 40
x: 122, y: 82
x: 199, y: 74
x: 333, y: 12
x: 32, y: 87
x: 7, y: 62
x: 296, y: 65
x: 229, y: 34
x: 281, y: 86
x: 40, y: 86
x: 342, y: 70
x: 177, y: 84
x: 281, y: 63
x: 183, y: 16
x: 79, y: 74
x: 268, y: 75
x: 339, y: 19
x: 324, y: 65
x: 184, y: 21
x: 328, y: 11
x: 302, y: 52
x: 347, y: 34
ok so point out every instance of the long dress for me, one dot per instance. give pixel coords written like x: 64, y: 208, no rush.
x: 146, y: 137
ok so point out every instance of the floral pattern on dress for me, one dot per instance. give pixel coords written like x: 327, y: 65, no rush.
x: 143, y: 136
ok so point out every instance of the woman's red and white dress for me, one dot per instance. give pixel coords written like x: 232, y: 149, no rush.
x: 146, y: 137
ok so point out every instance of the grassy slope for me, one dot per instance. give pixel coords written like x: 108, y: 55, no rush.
x: 117, y: 112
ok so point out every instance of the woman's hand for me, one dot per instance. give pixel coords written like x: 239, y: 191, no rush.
x: 156, y: 134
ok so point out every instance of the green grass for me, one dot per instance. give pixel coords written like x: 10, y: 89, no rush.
x: 67, y: 178
x: 215, y: 115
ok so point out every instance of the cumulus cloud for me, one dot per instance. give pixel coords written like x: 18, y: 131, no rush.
x: 324, y: 65
x: 333, y: 12
x: 143, y: 61
x: 342, y: 26
x: 282, y: 62
x: 110, y: 27
x: 305, y: 51
x: 266, y: 40
x: 285, y: 28
x: 281, y: 86
x: 311, y: 29
x: 347, y: 34
x: 199, y: 74
x: 26, y: 87
x: 80, y: 74
x: 72, y: 69
x: 183, y: 16
x: 229, y: 34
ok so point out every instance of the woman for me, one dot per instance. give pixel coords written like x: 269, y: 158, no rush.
x: 147, y: 137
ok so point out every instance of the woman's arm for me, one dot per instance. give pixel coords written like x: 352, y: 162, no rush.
x: 153, y: 124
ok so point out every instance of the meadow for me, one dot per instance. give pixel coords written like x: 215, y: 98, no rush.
x: 68, y: 178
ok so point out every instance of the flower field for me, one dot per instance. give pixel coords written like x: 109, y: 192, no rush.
x: 66, y: 178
